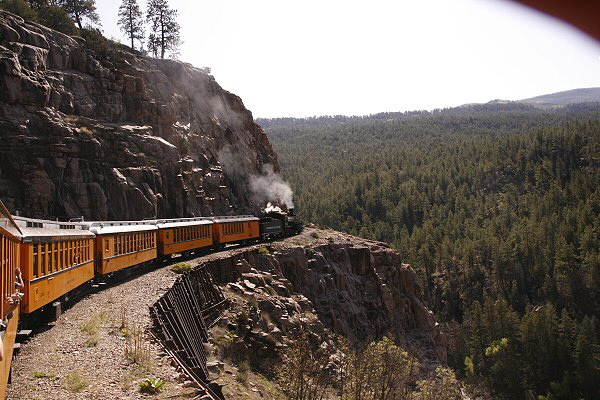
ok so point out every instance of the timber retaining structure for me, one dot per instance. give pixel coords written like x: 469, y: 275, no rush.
x: 180, y: 322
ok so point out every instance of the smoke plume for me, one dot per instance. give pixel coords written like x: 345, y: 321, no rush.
x: 270, y: 187
x: 267, y: 186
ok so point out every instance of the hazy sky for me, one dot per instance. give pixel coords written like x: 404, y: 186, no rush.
x: 304, y: 58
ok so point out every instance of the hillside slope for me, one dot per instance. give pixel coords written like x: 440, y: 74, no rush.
x: 92, y: 130
x: 496, y: 206
x: 565, y: 97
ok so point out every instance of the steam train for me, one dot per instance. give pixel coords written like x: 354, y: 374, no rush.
x: 42, y: 260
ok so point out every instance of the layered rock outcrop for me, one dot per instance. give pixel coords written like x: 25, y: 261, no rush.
x: 356, y: 288
x: 118, y: 135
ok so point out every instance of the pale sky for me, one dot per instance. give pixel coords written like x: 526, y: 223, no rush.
x: 303, y: 58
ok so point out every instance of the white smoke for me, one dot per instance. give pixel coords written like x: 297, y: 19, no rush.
x: 230, y: 160
x: 272, y: 208
x: 270, y: 187
x: 267, y: 186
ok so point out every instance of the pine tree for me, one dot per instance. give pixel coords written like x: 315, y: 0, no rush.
x: 164, y: 27
x: 79, y: 9
x: 130, y: 21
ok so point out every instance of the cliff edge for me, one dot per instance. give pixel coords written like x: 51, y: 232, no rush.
x: 109, y: 134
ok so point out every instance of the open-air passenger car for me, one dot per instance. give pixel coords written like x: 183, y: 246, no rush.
x: 56, y: 257
x: 235, y: 229
x: 184, y: 234
x: 122, y: 244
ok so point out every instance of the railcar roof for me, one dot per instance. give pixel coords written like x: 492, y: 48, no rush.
x: 43, y: 235
x: 174, y: 223
x: 110, y: 227
x: 234, y: 218
x: 41, y: 230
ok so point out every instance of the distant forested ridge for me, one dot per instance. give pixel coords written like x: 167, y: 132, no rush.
x: 498, y: 208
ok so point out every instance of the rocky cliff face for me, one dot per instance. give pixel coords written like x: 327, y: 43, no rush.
x: 356, y: 288
x: 119, y: 136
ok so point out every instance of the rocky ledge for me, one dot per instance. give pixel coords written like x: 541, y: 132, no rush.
x: 109, y: 134
x: 322, y: 282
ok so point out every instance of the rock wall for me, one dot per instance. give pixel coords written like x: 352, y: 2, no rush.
x: 118, y: 135
x: 359, y: 290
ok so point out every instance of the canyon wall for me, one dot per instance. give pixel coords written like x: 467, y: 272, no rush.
x: 112, y: 134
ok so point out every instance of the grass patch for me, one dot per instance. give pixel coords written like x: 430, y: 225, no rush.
x: 242, y: 373
x: 91, y: 341
x: 75, y: 382
x: 226, y: 339
x: 92, y: 328
x: 39, y: 375
x: 263, y: 250
x: 181, y: 268
x: 86, y: 131
x: 136, y: 349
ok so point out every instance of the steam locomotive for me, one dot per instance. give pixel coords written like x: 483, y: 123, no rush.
x: 43, y: 260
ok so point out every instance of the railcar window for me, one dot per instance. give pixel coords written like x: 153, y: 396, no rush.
x: 35, y: 259
x: 57, y: 265
x: 51, y: 264
x: 43, y: 258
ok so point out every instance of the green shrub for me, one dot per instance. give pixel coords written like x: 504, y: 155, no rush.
x: 181, y: 268
x: 185, y: 146
x: 263, y: 251
x: 55, y: 17
x: 20, y: 8
x: 151, y: 385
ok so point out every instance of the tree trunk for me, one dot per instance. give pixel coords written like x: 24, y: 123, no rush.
x: 162, y: 35
x: 131, y: 33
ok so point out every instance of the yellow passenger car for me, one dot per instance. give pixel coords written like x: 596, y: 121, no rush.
x: 235, y: 229
x: 122, y: 244
x: 184, y: 235
x: 56, y: 257
x: 10, y: 236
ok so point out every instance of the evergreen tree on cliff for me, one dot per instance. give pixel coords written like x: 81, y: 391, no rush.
x: 130, y: 21
x: 79, y: 9
x: 164, y: 28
